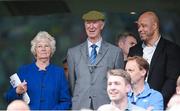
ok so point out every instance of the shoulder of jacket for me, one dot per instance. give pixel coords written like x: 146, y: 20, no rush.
x: 110, y: 45
x: 26, y: 66
x: 78, y: 46
x: 155, y: 92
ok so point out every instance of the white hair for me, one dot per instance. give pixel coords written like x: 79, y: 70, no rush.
x: 43, y: 35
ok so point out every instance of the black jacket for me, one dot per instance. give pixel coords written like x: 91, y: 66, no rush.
x: 164, y: 67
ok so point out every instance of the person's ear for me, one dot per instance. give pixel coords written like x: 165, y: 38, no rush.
x: 155, y: 26
x: 128, y: 88
x: 143, y: 72
x: 102, y: 24
x: 120, y: 44
x: 178, y: 90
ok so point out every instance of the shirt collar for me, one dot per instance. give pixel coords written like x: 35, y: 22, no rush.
x: 37, y: 68
x: 98, y: 43
x: 145, y: 92
x: 154, y: 45
x: 129, y: 106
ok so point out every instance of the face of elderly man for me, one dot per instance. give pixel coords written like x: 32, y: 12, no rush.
x: 43, y: 49
x: 93, y: 28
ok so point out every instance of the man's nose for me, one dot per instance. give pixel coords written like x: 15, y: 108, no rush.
x: 91, y: 25
x: 139, y: 29
x: 113, y: 86
x: 43, y: 47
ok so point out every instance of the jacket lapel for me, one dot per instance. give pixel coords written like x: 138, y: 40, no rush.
x: 85, y: 56
x: 102, y: 51
x: 156, y: 54
x: 84, y: 52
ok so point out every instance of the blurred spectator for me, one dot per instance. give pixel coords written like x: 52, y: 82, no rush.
x: 142, y: 95
x: 175, y: 107
x: 125, y: 41
x: 86, y: 110
x: 178, y: 86
x: 18, y: 105
x: 175, y: 99
x: 108, y: 107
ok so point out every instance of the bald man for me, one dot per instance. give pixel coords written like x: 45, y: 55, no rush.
x: 162, y: 55
x: 18, y: 105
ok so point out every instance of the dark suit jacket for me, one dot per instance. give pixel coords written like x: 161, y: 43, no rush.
x: 164, y: 67
x: 89, y: 82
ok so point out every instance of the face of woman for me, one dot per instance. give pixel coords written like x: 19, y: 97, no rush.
x: 43, y: 49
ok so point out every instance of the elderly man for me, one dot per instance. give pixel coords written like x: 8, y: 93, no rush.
x: 88, y: 64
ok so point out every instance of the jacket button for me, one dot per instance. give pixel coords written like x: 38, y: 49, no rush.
x: 42, y: 100
x: 43, y: 86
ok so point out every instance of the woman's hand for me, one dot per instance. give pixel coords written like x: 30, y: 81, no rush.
x: 21, y: 88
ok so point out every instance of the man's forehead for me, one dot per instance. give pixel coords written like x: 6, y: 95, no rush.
x: 140, y: 22
x: 115, y: 78
x: 93, y: 21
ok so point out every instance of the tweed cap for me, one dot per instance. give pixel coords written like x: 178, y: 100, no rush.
x: 93, y: 15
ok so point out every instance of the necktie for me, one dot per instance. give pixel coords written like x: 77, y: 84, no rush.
x: 93, y: 55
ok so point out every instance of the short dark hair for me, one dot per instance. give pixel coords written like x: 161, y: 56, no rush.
x: 123, y: 36
x: 143, y: 64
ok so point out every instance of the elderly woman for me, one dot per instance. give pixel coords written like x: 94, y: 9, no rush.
x: 45, y: 83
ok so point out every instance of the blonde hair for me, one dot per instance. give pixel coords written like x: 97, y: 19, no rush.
x: 120, y: 72
x: 43, y: 35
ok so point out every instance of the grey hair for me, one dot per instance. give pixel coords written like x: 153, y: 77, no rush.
x: 43, y: 35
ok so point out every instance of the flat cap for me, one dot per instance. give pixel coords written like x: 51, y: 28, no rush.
x: 93, y: 15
